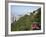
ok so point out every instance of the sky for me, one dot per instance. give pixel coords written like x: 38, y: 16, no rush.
x: 21, y: 10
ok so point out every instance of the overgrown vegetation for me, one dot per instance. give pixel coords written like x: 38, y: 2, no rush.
x: 25, y: 22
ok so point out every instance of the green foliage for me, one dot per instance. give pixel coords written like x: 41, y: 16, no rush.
x: 25, y: 22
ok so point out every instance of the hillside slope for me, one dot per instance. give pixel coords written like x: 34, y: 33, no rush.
x: 25, y: 22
